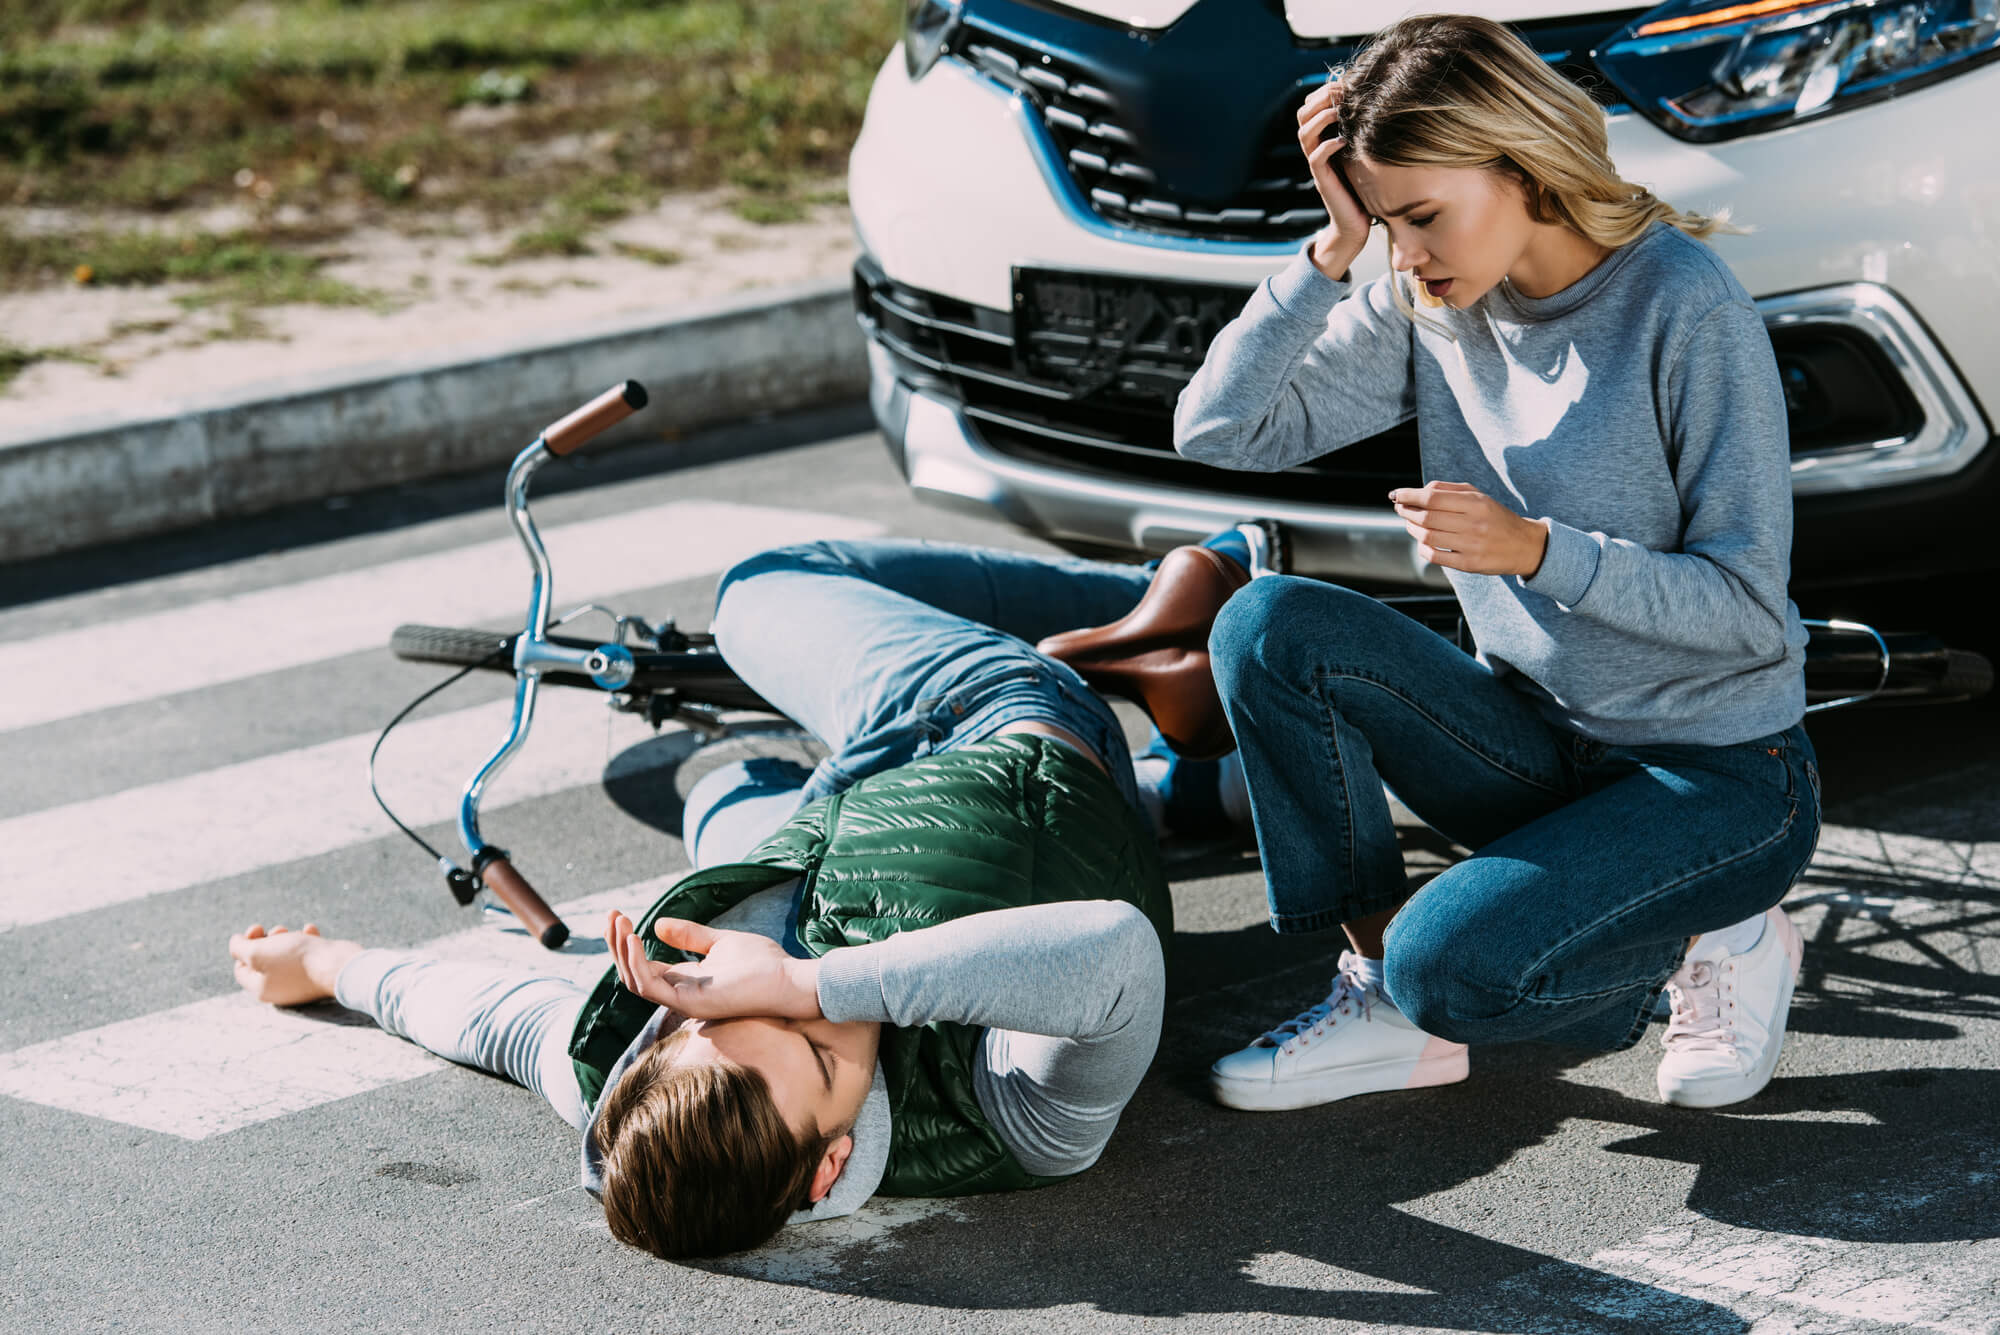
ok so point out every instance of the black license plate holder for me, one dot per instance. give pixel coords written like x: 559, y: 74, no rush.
x: 1088, y: 331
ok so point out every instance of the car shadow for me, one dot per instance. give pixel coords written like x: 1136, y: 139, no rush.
x: 1907, y: 771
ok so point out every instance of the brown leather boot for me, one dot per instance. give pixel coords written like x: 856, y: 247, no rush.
x: 1157, y: 654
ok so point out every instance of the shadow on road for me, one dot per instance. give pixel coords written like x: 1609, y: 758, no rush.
x: 1321, y: 1213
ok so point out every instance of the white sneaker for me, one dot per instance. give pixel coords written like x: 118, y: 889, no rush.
x: 1354, y: 1042
x: 1728, y: 1022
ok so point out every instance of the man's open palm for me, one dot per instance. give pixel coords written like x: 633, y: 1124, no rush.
x: 740, y: 973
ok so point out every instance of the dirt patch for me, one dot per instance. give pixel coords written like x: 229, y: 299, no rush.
x: 82, y: 348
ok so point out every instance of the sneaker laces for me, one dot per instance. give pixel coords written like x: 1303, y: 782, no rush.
x: 1694, y: 1026
x: 1346, y: 986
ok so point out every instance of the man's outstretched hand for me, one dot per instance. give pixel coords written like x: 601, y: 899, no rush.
x: 288, y: 968
x: 740, y: 973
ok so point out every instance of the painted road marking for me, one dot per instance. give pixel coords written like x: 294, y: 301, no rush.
x: 1764, y: 1276
x: 215, y: 1066
x: 229, y: 1062
x: 185, y: 832
x: 1792, y: 1281
x: 95, y: 667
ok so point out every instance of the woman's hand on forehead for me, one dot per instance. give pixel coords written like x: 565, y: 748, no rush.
x: 1319, y: 114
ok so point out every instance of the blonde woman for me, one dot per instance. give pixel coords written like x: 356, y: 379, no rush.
x: 1604, y: 438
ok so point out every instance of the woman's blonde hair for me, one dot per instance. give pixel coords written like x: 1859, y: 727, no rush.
x: 1455, y: 90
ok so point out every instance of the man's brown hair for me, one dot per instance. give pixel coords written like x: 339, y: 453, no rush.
x: 698, y: 1161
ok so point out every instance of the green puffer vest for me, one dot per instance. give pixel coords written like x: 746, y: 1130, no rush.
x: 1011, y: 821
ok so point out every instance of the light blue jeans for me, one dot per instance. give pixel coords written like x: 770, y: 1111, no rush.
x: 1592, y: 863
x: 891, y: 650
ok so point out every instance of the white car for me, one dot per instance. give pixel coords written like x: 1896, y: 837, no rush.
x: 1059, y: 204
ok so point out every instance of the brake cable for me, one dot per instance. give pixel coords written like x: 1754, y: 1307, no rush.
x: 464, y: 885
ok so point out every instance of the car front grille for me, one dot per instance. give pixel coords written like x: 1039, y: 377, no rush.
x: 1105, y: 159
x: 1066, y: 397
x: 1112, y: 171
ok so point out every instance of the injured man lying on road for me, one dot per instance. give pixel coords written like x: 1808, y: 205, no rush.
x: 932, y: 965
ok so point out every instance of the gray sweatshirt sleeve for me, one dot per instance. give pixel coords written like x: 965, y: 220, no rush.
x: 511, y: 1022
x: 1732, y: 469
x: 1070, y: 995
x: 1309, y: 366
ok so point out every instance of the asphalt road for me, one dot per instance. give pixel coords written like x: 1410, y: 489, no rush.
x: 180, y: 756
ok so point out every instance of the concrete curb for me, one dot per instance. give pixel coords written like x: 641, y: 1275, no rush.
x: 91, y: 480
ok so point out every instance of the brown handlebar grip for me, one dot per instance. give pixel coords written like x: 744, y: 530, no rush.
x: 526, y: 906
x: 608, y: 409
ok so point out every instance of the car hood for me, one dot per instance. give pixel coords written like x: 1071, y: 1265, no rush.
x: 1339, y: 18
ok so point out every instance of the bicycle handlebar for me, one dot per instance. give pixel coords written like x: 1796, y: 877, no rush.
x: 528, y: 908
x: 608, y: 409
x: 489, y: 864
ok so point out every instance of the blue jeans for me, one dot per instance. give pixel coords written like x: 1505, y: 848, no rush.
x: 891, y: 650
x: 1592, y: 863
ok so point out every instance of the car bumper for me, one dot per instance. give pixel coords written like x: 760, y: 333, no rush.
x: 948, y: 464
x: 1845, y: 539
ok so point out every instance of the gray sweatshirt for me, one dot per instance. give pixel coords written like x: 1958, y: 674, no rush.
x: 1638, y: 410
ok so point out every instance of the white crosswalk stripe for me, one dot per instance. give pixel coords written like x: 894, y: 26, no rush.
x: 225, y: 639
x: 218, y: 1065
x: 225, y: 822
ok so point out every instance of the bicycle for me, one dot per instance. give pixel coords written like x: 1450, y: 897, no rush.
x: 664, y: 674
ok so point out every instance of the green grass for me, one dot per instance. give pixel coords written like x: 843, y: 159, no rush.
x: 607, y: 198
x: 651, y: 254
x: 573, y: 215
x: 233, y: 269
x: 763, y: 209
x: 556, y: 240
x: 159, y: 104
x: 15, y: 359
x: 776, y: 197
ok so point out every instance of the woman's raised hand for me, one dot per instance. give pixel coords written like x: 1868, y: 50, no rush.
x: 1317, y: 116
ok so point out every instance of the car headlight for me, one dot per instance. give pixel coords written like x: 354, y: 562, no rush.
x: 1712, y: 69
x: 928, y: 25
